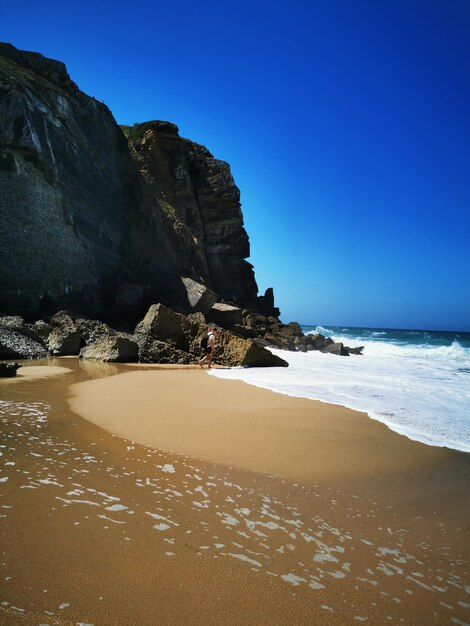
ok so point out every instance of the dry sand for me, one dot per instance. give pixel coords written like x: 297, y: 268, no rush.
x: 243, y: 507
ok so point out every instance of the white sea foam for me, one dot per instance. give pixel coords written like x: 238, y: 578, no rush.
x: 421, y: 391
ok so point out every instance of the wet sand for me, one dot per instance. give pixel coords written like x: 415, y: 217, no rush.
x: 244, y: 506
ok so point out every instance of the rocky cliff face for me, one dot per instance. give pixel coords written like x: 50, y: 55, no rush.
x: 87, y: 208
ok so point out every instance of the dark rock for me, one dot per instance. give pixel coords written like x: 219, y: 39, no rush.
x: 256, y: 356
x: 14, y: 345
x: 63, y: 342
x: 357, y: 350
x: 262, y: 342
x: 155, y: 351
x: 90, y: 207
x: 8, y: 370
x: 317, y: 341
x: 13, y: 322
x: 224, y: 315
x: 335, y: 348
x: 43, y: 329
x: 234, y: 351
x: 253, y: 320
x: 16, y: 323
x: 280, y: 341
x: 64, y: 338
x: 266, y: 304
x: 164, y: 324
x: 243, y: 331
x: 66, y: 318
x: 296, y: 329
x: 93, y: 330
x: 117, y: 349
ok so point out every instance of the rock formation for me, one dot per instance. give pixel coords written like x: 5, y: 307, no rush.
x: 102, y: 223
x: 116, y: 222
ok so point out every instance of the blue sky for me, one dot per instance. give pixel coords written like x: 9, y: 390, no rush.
x: 346, y: 125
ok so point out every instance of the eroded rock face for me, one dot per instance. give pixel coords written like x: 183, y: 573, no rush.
x: 198, y: 196
x: 153, y: 350
x: 88, y: 210
x: 14, y: 345
x: 64, y: 338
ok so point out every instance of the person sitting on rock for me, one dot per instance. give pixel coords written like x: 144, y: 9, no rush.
x: 209, y: 348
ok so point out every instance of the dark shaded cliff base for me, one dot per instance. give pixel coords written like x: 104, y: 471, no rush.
x: 359, y: 526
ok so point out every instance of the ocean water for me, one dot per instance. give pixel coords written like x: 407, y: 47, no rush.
x: 416, y: 382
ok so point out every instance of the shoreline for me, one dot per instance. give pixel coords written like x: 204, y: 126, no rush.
x: 240, y: 425
x: 338, y: 519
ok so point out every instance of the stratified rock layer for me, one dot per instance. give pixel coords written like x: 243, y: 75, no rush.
x: 86, y: 212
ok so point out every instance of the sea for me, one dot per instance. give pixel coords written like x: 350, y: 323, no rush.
x: 417, y: 382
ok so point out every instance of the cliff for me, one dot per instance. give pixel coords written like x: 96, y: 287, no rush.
x: 91, y: 213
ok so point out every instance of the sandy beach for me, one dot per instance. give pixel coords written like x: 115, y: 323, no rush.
x: 152, y: 495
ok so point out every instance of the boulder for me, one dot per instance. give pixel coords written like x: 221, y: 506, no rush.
x: 200, y: 298
x: 233, y: 351
x: 256, y: 356
x: 295, y: 329
x: 13, y: 322
x: 92, y: 330
x: 357, y: 350
x: 153, y: 350
x: 317, y: 341
x: 280, y: 341
x: 17, y: 323
x: 42, y: 328
x: 14, y: 345
x: 335, y: 348
x: 66, y: 318
x: 164, y: 324
x: 224, y: 315
x: 8, y: 370
x: 62, y: 342
x: 118, y: 349
x: 64, y: 338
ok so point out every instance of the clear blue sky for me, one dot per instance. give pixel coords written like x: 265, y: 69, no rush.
x: 346, y: 124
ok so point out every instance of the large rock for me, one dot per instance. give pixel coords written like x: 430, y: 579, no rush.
x: 93, y: 330
x: 14, y: 345
x: 8, y: 370
x: 280, y: 341
x: 155, y: 351
x: 17, y: 323
x: 117, y: 349
x: 317, y: 341
x: 200, y: 298
x: 335, y: 348
x: 64, y: 338
x: 164, y: 324
x: 224, y: 315
x: 233, y: 351
x: 42, y: 328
